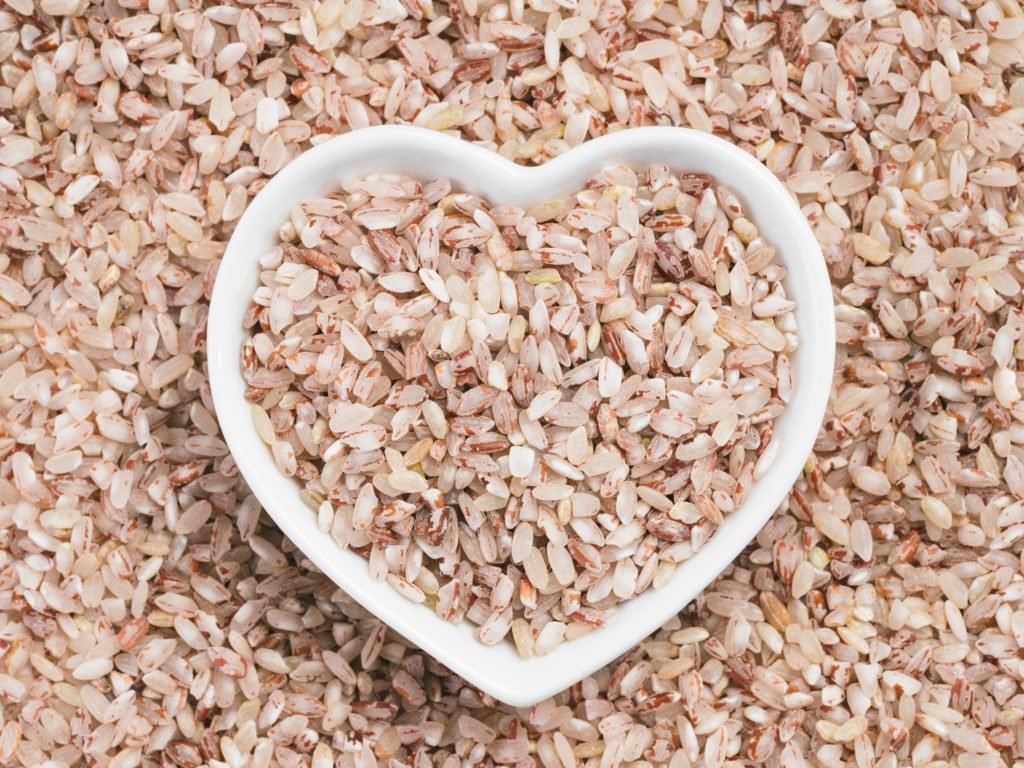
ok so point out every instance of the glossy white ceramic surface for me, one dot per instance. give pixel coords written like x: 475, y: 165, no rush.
x: 498, y: 670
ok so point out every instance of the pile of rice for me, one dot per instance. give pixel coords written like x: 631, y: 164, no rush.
x: 521, y: 417
x: 151, y: 615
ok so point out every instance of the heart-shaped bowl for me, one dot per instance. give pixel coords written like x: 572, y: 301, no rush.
x: 498, y: 670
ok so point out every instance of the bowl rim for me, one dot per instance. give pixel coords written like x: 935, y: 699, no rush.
x: 498, y: 670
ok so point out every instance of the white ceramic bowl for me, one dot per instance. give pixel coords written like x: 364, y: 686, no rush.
x: 498, y: 670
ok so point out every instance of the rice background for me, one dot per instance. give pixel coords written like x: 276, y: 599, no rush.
x: 151, y: 615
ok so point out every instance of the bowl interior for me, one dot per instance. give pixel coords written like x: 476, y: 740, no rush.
x: 498, y: 670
